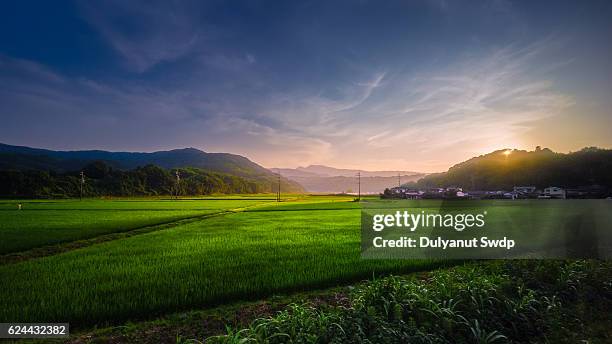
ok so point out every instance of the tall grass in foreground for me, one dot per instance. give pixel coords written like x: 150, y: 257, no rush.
x: 501, y: 302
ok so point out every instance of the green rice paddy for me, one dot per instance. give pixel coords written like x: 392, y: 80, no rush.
x: 258, y: 249
x: 42, y: 223
x: 235, y: 256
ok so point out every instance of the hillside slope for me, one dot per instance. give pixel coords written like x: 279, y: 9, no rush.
x: 26, y: 158
x: 503, y: 169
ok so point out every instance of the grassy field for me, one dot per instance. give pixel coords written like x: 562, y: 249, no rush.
x: 263, y: 248
x: 236, y: 256
x: 51, y: 222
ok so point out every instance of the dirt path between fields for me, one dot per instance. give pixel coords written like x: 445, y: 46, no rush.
x: 50, y: 250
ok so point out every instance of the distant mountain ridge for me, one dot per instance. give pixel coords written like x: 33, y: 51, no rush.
x: 325, y: 179
x: 326, y: 171
x: 27, y: 158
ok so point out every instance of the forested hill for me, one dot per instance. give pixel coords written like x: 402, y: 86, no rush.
x: 540, y: 168
x: 102, y: 180
x: 24, y: 158
x: 26, y: 162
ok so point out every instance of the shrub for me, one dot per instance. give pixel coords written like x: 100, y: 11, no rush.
x: 494, y: 302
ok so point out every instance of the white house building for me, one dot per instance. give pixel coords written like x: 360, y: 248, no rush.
x: 524, y: 189
x: 554, y: 192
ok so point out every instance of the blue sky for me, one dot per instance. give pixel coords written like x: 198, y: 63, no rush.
x: 408, y: 85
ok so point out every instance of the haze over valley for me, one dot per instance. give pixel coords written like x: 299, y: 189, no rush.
x: 325, y: 179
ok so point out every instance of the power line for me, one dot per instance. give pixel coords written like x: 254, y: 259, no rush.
x: 359, y: 186
x: 178, y: 181
x: 278, y: 191
x: 82, y: 184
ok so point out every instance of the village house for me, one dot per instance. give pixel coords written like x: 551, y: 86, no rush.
x: 554, y: 192
x: 518, y: 192
x: 524, y: 189
x: 587, y: 191
x: 407, y: 193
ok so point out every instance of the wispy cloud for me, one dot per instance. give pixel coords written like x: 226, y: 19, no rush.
x: 484, y: 100
x: 144, y: 33
x: 226, y: 62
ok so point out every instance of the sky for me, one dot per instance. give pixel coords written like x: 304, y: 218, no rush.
x: 380, y: 85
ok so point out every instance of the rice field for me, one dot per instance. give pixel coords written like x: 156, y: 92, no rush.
x: 237, y: 256
x: 259, y: 249
x: 41, y: 223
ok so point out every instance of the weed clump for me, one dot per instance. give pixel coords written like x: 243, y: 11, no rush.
x: 495, y: 302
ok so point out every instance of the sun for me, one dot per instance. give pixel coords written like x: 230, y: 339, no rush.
x: 507, y: 153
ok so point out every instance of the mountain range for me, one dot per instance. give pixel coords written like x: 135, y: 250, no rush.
x: 25, y: 158
x: 313, y: 178
x: 325, y: 179
x: 499, y: 170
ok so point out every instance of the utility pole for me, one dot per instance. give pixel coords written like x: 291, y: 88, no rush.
x: 278, y: 192
x: 358, y: 186
x: 178, y: 181
x: 82, y: 184
x: 399, y: 180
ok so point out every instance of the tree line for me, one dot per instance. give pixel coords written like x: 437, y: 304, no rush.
x: 504, y: 169
x: 102, y: 180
